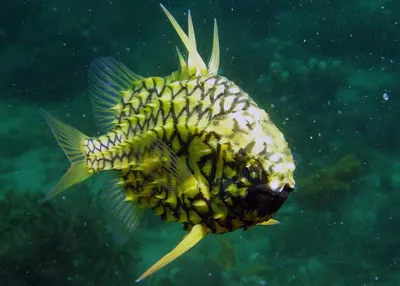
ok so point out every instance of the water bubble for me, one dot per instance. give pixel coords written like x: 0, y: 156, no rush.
x: 385, y: 96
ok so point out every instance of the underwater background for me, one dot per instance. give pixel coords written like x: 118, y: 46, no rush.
x: 327, y: 72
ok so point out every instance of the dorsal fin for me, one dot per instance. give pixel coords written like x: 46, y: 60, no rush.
x: 198, y: 62
x: 108, y: 79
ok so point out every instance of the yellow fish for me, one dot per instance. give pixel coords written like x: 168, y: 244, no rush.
x: 192, y: 146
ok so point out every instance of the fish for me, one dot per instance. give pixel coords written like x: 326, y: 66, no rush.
x: 192, y: 146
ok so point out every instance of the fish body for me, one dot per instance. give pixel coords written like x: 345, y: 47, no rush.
x: 192, y: 146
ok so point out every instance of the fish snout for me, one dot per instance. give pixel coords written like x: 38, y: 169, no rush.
x: 266, y: 201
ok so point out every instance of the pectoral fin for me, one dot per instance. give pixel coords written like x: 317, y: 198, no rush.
x: 271, y: 221
x: 190, y: 240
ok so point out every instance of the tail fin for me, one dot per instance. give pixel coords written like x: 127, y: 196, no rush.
x: 72, y: 142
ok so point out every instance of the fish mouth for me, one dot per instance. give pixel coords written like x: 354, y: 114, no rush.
x: 262, y: 198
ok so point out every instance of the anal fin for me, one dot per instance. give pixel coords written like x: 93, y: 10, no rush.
x: 126, y: 213
x: 197, y: 233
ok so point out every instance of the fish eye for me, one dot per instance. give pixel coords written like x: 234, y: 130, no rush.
x: 252, y: 174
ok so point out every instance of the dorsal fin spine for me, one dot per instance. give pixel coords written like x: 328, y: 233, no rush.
x: 197, y: 60
x: 214, y: 60
x: 192, y: 39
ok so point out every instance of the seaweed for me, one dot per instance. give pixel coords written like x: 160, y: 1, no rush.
x: 328, y: 185
x: 63, y: 242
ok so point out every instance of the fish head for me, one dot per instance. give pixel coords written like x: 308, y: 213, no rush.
x: 264, y: 187
x: 263, y: 162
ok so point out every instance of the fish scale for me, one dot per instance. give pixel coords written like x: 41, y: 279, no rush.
x: 192, y: 146
x: 181, y: 127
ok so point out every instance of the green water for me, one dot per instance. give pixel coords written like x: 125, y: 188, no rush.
x: 328, y: 74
